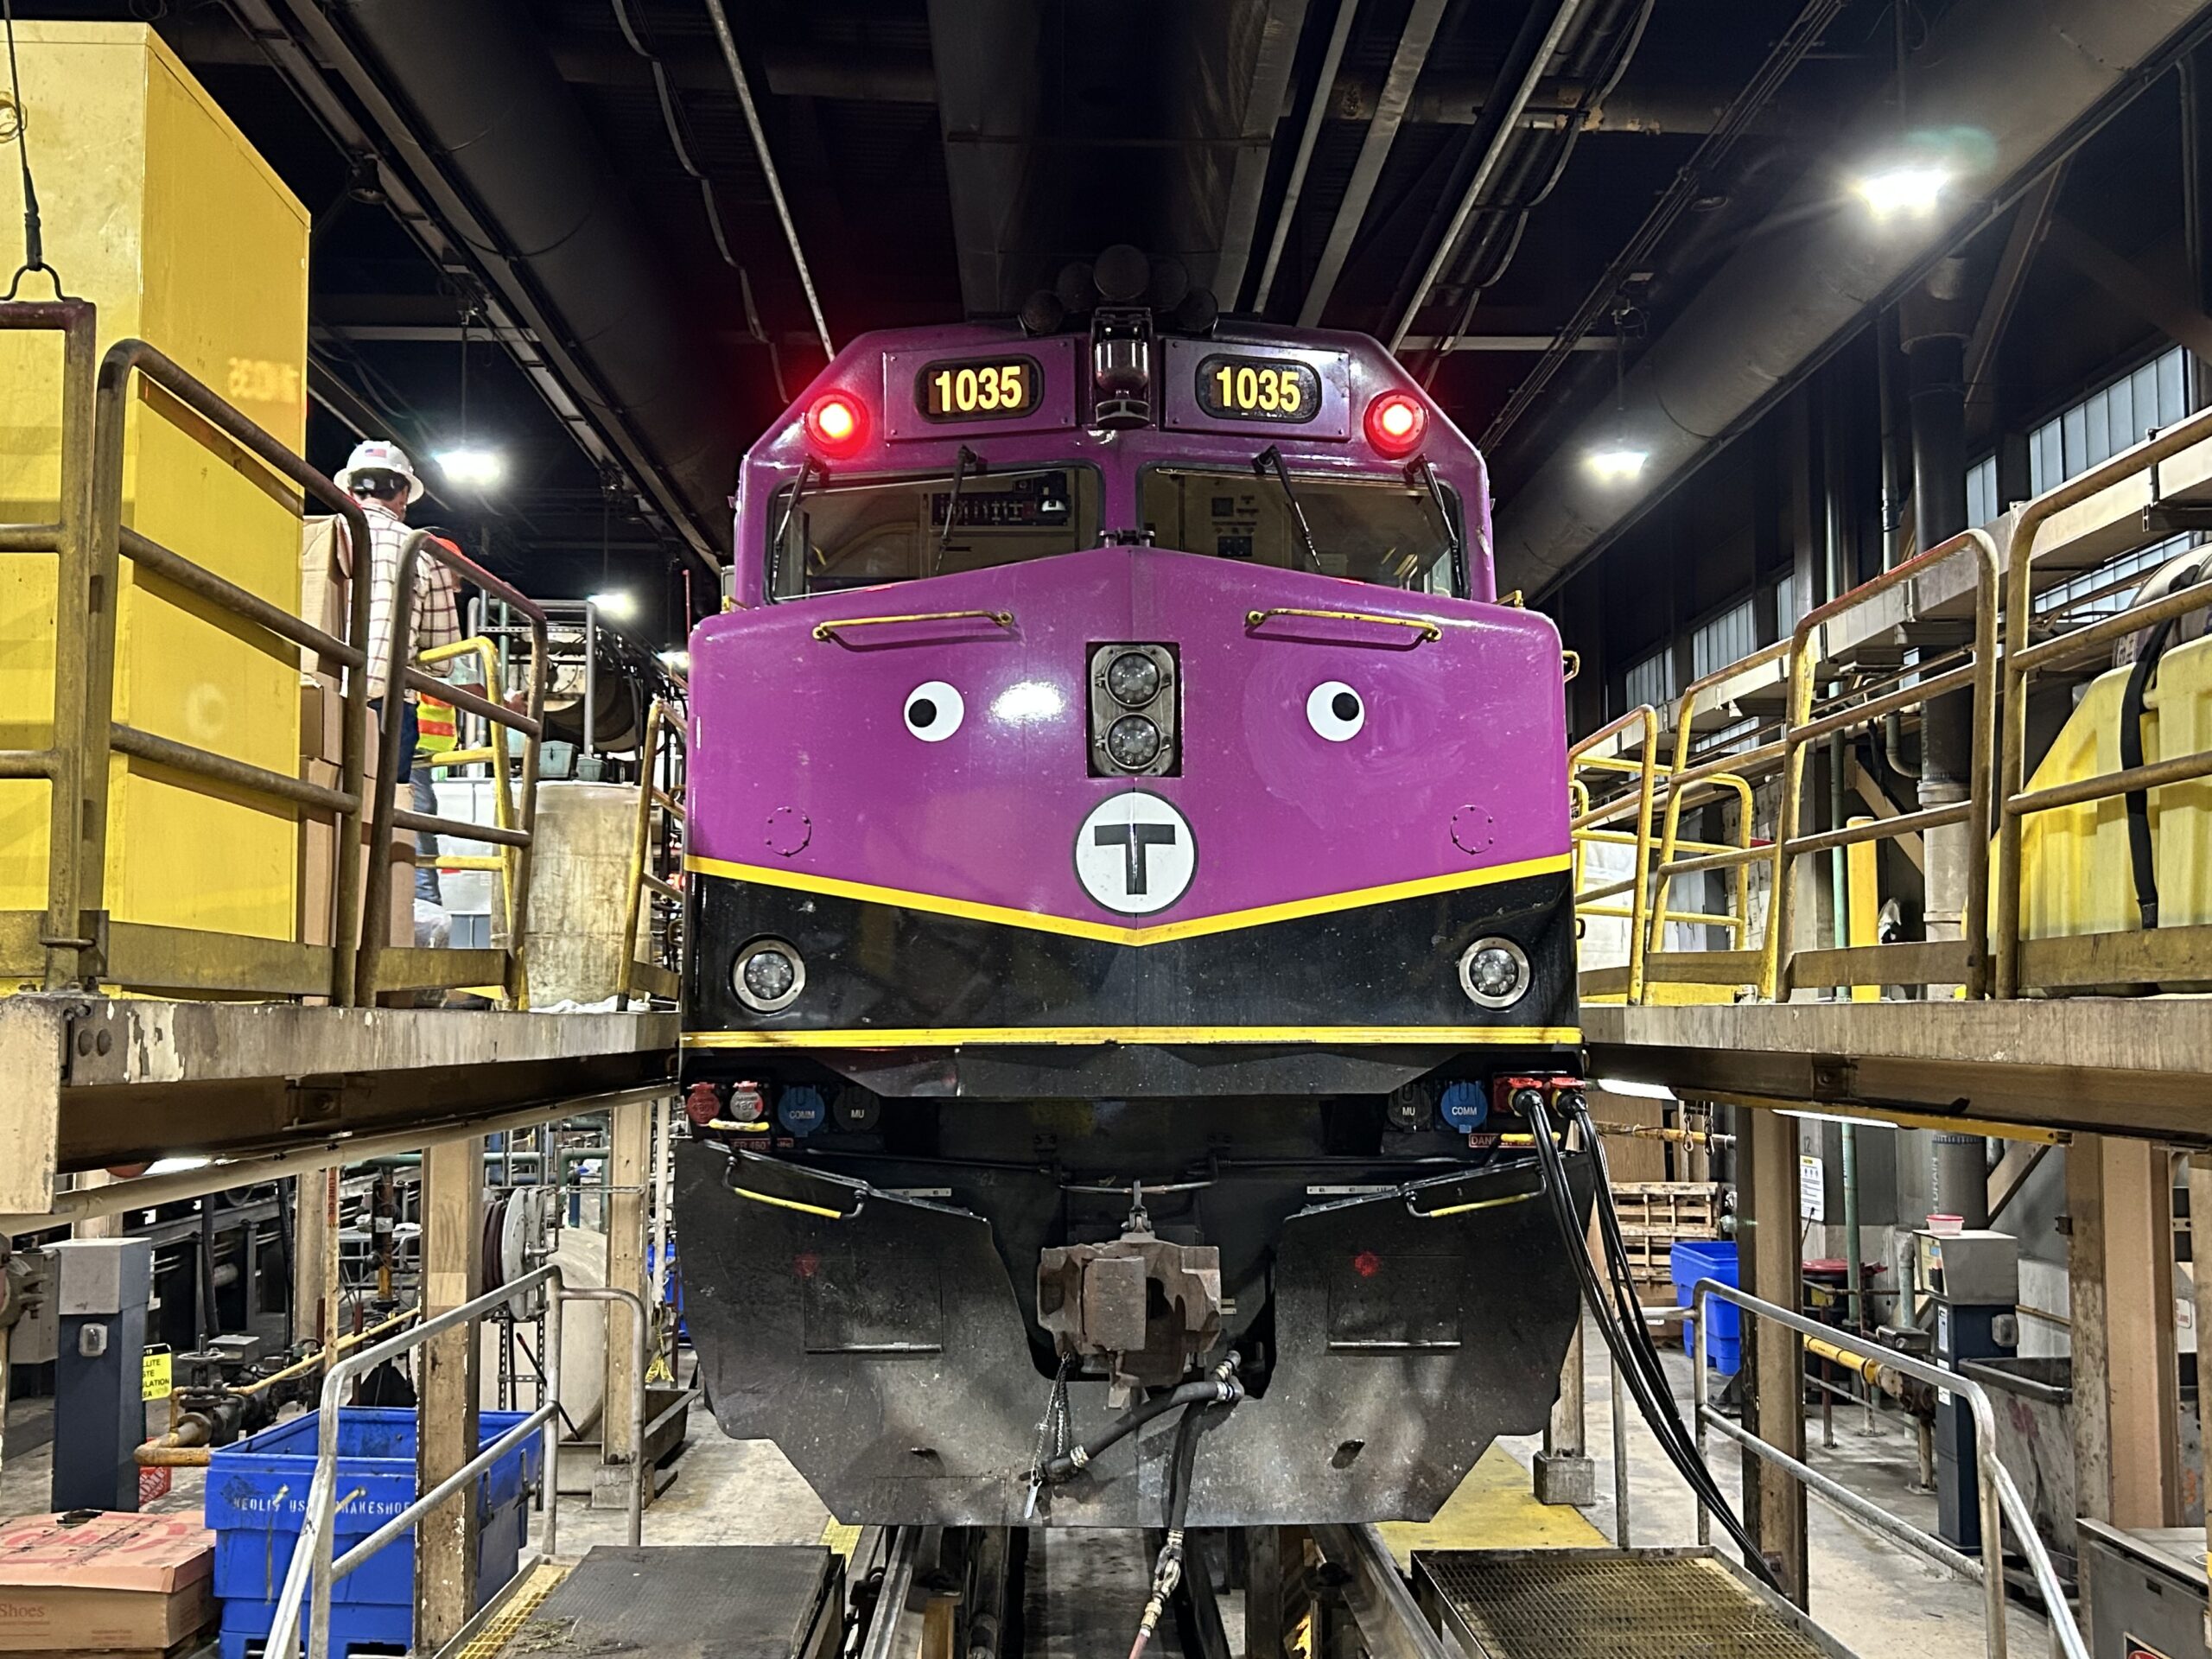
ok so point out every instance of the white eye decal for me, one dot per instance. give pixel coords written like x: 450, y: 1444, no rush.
x: 934, y: 711
x: 1335, y: 711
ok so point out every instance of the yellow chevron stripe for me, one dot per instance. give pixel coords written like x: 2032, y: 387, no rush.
x: 1113, y: 933
x: 1092, y: 1036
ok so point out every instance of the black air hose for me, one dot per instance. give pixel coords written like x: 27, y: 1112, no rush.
x: 2140, y: 852
x: 1626, y: 1337
x: 1217, y: 1390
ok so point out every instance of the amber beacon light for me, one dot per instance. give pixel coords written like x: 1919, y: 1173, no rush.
x: 1396, y: 422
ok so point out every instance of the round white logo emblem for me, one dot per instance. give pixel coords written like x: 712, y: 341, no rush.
x: 1134, y: 854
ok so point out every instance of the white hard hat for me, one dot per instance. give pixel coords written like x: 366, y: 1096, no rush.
x: 379, y: 455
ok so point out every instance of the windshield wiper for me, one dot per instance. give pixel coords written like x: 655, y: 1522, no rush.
x: 1422, y: 475
x: 966, y: 459
x: 1272, y: 456
x: 807, y: 469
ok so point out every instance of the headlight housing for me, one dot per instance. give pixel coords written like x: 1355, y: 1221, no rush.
x: 1494, y: 972
x: 767, y: 976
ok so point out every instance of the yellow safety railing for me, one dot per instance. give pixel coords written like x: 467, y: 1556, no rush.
x: 1771, y: 967
x: 2146, y: 956
x: 383, y: 967
x: 665, y: 737
x: 1584, y: 829
x: 74, y: 944
x: 492, y: 753
x: 1649, y: 910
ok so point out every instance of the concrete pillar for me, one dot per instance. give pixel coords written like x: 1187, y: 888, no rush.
x: 630, y: 1130
x: 1774, y: 1408
x: 447, y: 1435
x: 2126, y: 1387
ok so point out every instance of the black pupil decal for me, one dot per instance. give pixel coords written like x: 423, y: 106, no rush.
x: 1345, y: 706
x: 922, y: 712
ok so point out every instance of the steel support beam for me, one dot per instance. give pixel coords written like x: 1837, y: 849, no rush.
x: 1269, y: 33
x: 2030, y: 221
x: 1504, y: 126
x: 2171, y: 314
x: 1413, y: 41
x: 454, y: 237
x: 2036, y: 79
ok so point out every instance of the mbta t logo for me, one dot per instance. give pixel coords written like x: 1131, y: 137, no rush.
x: 1134, y: 853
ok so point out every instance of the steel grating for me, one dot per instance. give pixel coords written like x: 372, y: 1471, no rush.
x: 1605, y: 1604
x: 712, y: 1601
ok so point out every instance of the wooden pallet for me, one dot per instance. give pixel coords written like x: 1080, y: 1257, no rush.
x: 1668, y: 1210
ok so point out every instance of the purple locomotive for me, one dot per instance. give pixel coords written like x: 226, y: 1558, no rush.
x: 1128, y: 892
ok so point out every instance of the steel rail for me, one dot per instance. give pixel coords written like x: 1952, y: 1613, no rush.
x: 1380, y: 1599
x: 882, y: 1639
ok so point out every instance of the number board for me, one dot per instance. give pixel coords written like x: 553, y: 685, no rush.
x: 1228, y: 386
x: 978, y: 389
x: 1232, y: 388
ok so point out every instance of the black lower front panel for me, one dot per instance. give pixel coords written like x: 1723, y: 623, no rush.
x: 887, y: 967
x: 1392, y: 1327
x: 916, y: 1002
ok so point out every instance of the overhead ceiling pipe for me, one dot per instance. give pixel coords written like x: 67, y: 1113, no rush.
x: 487, y: 109
x: 2029, y: 75
x: 767, y: 160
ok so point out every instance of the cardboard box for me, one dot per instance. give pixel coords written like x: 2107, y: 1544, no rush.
x: 114, y: 1582
x: 322, y: 719
x: 319, y: 864
x: 325, y: 590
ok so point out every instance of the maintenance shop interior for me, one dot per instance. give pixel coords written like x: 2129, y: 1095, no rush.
x: 1104, y: 829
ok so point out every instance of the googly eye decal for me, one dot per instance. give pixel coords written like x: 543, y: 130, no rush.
x: 934, y: 711
x: 1335, y: 711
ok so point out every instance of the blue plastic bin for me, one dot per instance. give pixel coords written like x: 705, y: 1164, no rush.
x: 1690, y: 1261
x: 256, y: 1495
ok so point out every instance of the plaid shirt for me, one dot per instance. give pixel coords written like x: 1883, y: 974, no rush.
x: 437, y: 594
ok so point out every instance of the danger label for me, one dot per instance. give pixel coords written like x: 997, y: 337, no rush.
x: 1134, y: 853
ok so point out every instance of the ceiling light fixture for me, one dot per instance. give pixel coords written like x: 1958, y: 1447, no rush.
x: 1909, y: 190
x: 617, y: 606
x: 470, y: 468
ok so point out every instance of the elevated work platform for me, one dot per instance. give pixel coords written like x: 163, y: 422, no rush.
x: 2115, y: 1066
x: 97, y: 1081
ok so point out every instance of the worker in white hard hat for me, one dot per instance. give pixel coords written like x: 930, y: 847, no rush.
x: 380, y: 477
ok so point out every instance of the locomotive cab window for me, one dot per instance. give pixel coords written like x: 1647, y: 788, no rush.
x: 1389, y: 531
x: 830, y: 536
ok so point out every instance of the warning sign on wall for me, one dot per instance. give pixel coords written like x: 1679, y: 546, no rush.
x: 1812, y: 1189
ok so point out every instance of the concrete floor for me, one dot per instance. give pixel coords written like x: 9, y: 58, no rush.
x: 1875, y: 1598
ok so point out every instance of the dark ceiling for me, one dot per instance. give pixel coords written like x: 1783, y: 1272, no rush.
x: 573, y: 185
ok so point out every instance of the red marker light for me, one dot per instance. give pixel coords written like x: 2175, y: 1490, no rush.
x: 837, y: 422
x: 1396, y: 422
